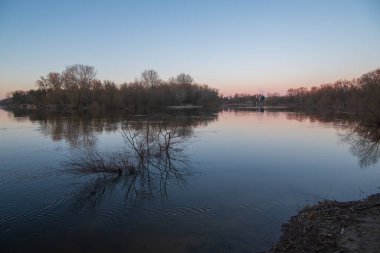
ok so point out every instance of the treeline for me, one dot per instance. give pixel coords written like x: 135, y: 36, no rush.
x: 241, y: 98
x: 361, y: 94
x: 77, y: 86
x: 358, y: 95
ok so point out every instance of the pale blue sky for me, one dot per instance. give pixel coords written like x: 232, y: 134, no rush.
x: 242, y: 46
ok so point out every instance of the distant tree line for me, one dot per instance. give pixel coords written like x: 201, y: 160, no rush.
x: 77, y: 86
x: 361, y: 94
x: 241, y: 98
x: 357, y: 95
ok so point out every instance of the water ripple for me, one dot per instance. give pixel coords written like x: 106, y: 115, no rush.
x: 182, y: 212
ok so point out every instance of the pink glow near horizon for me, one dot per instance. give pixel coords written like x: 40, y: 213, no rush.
x: 225, y: 89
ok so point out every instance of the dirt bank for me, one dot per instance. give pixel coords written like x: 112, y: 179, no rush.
x: 336, y: 227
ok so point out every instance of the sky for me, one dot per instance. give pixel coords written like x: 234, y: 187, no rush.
x: 235, y: 46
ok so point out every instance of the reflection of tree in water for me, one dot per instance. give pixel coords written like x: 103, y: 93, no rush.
x: 322, y: 117
x: 365, y: 142
x: 77, y: 132
x: 152, y: 159
x: 361, y: 132
x: 82, y: 130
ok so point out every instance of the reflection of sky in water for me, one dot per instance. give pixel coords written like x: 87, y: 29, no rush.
x: 252, y: 172
x: 275, y: 152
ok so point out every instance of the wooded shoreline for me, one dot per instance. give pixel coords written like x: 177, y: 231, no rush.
x: 77, y: 88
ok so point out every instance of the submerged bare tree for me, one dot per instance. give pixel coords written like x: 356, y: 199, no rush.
x: 152, y: 158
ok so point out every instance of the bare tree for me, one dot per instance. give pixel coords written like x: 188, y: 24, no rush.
x: 77, y: 81
x: 150, y: 78
x: 51, y: 82
x: 83, y: 74
x: 184, y: 79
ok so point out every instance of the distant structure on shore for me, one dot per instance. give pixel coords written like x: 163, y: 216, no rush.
x: 261, y: 100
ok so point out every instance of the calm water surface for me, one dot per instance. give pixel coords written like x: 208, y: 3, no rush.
x: 241, y: 174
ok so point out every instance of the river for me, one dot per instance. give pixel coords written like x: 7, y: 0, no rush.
x: 229, y: 180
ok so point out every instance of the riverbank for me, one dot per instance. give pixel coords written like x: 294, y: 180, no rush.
x: 336, y: 227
